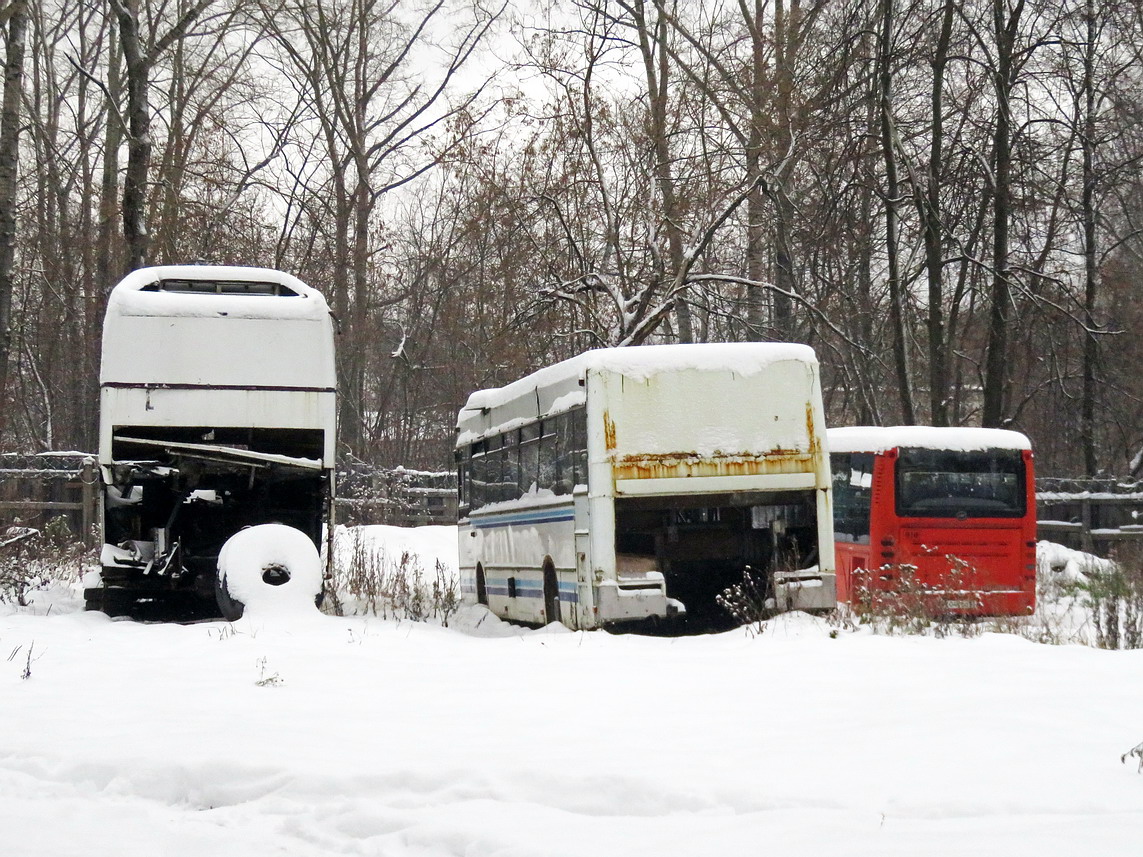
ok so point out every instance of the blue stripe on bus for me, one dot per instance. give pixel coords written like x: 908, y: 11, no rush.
x: 569, y: 594
x: 531, y: 516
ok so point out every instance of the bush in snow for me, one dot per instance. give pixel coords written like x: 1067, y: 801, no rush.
x: 750, y: 601
x: 33, y: 560
x: 1116, y: 599
x: 368, y: 579
x: 902, y: 604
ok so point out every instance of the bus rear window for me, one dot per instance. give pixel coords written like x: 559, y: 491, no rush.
x: 935, y: 483
x: 220, y: 287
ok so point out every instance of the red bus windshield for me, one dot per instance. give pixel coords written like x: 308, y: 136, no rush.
x: 934, y: 483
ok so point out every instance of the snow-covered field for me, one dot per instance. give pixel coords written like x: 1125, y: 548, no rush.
x: 316, y: 735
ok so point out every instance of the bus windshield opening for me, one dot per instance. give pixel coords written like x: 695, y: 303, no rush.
x: 951, y: 484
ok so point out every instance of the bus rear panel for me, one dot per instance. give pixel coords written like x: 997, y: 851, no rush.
x: 941, y: 520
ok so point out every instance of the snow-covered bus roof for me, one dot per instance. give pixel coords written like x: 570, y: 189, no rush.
x: 219, y: 326
x: 194, y: 291
x: 959, y: 439
x: 558, y: 388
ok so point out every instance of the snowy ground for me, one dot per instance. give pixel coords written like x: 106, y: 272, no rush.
x: 322, y: 735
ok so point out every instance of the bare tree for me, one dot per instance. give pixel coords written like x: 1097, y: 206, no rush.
x: 1006, y: 28
x: 140, y: 53
x: 889, y: 149
x: 382, y: 122
x: 16, y: 15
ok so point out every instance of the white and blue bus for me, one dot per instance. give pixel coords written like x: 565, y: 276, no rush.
x: 635, y: 484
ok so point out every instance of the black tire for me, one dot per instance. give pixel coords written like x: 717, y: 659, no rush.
x: 551, y: 592
x: 230, y: 608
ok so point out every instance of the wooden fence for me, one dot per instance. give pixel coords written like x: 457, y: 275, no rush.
x: 35, y: 489
x: 407, y: 498
x: 1093, y: 515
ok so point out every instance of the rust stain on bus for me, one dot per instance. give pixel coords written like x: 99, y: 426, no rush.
x: 691, y: 464
x: 815, y: 444
x: 608, y: 431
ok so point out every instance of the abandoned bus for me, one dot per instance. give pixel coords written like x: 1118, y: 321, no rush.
x: 217, y: 411
x: 945, y: 516
x: 635, y: 484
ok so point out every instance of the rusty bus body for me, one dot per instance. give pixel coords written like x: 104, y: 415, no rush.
x: 629, y: 485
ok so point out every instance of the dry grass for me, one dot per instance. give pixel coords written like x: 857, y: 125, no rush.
x: 32, y: 560
x: 369, y: 580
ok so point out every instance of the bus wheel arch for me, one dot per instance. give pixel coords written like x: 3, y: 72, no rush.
x: 481, y: 586
x: 551, y: 591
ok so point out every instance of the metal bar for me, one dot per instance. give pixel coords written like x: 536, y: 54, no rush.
x: 124, y: 385
x: 39, y: 504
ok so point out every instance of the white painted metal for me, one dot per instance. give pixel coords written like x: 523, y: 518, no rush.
x: 177, y: 359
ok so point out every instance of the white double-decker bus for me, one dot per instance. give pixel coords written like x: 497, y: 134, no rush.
x: 218, y: 411
x: 632, y: 484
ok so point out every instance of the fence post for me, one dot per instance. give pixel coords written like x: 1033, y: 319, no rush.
x: 87, y: 478
x: 1086, y: 542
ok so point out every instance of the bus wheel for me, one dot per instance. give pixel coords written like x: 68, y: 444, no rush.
x: 230, y: 608
x: 268, y: 567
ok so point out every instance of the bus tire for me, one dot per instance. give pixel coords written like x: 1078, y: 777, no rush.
x: 267, y: 566
x: 230, y: 608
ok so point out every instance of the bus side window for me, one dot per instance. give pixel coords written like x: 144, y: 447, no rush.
x: 463, y: 474
x: 529, y: 472
x: 478, y: 475
x: 563, y: 470
x: 549, y: 462
x: 852, y: 490
x: 579, y: 446
x: 568, y: 451
x: 508, y: 471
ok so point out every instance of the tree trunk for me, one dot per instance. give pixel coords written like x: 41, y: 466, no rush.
x: 138, y: 61
x: 656, y: 66
x: 995, y: 368
x: 785, y: 57
x: 1090, y: 248
x: 9, y: 160
x: 892, y: 202
x: 138, y: 116
x: 756, y: 297
x: 934, y: 234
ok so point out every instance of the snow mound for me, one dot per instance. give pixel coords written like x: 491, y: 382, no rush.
x: 476, y: 620
x: 1063, y: 564
x: 271, y: 569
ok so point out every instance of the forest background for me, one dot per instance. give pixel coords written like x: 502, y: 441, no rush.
x: 942, y: 198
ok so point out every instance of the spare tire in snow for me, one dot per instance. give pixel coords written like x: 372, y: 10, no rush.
x: 266, y: 569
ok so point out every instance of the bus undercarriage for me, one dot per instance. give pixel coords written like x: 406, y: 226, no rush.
x: 172, y: 500
x: 705, y: 544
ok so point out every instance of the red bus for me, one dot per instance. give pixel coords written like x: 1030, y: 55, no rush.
x: 944, y: 515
